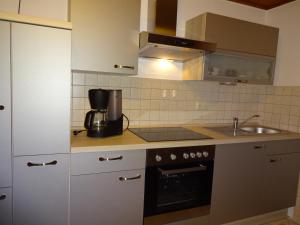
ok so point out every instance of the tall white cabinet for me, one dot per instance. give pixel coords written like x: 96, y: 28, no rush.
x: 5, y: 126
x: 41, y: 80
x: 5, y: 106
x: 41, y: 87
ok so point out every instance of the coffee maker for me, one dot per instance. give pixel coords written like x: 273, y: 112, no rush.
x: 106, y: 117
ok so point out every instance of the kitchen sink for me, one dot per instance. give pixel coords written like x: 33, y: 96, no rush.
x: 245, y: 131
x: 260, y: 130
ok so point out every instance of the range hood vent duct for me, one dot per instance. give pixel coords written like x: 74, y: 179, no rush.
x: 163, y: 44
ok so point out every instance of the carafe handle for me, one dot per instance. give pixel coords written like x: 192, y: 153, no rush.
x: 88, y: 119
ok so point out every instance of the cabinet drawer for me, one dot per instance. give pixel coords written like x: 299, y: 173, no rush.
x: 282, y: 147
x: 106, y: 161
x: 5, y: 206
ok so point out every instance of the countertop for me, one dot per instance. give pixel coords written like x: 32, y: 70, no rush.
x: 129, y: 141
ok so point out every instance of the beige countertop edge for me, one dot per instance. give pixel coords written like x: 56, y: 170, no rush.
x: 169, y: 144
x: 14, y: 17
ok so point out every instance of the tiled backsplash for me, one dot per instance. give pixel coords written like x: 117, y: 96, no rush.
x: 155, y: 101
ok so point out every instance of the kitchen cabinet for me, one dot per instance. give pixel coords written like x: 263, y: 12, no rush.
x: 282, y: 172
x: 104, y: 198
x: 254, y: 178
x: 5, y: 106
x: 5, y: 206
x: 105, y: 35
x: 247, y: 58
x: 50, y: 9
x: 9, y: 6
x: 41, y: 190
x: 252, y: 38
x: 41, y: 80
x: 238, y: 182
x: 108, y: 193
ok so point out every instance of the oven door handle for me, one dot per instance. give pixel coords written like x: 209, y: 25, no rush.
x: 183, y: 170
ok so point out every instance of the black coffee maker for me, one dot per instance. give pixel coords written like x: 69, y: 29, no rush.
x: 106, y: 118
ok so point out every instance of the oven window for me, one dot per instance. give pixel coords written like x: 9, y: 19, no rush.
x: 176, y: 187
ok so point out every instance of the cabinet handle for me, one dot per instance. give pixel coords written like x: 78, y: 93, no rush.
x: 31, y: 164
x: 130, y: 178
x: 275, y: 160
x: 258, y: 146
x: 2, y: 107
x: 242, y: 81
x: 111, y: 159
x: 3, y: 197
x: 123, y: 67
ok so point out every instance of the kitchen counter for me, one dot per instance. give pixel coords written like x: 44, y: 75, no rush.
x: 129, y: 141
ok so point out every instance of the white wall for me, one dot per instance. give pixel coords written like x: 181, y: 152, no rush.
x: 287, y: 18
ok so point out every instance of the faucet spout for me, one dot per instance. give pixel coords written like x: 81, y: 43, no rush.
x: 246, y: 120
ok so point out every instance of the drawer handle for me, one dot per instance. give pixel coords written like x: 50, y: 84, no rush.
x: 258, y: 146
x: 3, y: 197
x: 31, y: 164
x: 130, y: 178
x: 275, y: 160
x: 123, y: 67
x: 2, y: 107
x: 110, y: 159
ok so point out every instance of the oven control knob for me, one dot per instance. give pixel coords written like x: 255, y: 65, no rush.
x: 193, y: 155
x: 185, y: 155
x: 173, y: 156
x: 158, y: 158
x: 205, y: 154
x: 199, y: 154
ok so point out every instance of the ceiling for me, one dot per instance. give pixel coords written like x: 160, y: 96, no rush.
x: 263, y: 4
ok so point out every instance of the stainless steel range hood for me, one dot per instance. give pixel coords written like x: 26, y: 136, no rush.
x: 160, y: 44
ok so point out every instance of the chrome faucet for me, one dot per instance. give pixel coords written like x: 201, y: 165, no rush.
x: 236, y: 123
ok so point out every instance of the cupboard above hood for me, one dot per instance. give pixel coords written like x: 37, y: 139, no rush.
x: 160, y: 46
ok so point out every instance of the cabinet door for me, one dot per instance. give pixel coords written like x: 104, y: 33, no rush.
x: 238, y: 182
x: 105, y: 33
x: 41, y: 191
x: 282, y: 174
x: 103, y: 199
x: 9, y: 6
x: 41, y: 89
x: 51, y: 9
x: 5, y: 106
x: 5, y: 206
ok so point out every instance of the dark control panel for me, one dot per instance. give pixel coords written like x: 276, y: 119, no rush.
x: 179, y: 155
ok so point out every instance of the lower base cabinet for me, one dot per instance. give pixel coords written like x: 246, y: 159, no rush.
x: 254, y: 178
x: 114, y: 198
x: 5, y: 206
x: 41, y: 190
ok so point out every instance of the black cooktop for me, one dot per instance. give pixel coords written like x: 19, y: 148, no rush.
x: 153, y: 134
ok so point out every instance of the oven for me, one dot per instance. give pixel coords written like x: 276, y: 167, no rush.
x: 178, y: 183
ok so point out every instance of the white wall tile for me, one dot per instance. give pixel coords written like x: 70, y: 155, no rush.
x: 165, y: 101
x: 78, y: 79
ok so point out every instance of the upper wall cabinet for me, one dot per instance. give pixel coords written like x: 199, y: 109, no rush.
x: 9, y: 6
x: 105, y: 35
x: 50, y: 9
x: 246, y: 52
x: 232, y: 34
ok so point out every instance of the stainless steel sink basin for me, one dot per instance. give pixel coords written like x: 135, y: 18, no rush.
x: 260, y: 130
x: 246, y: 130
